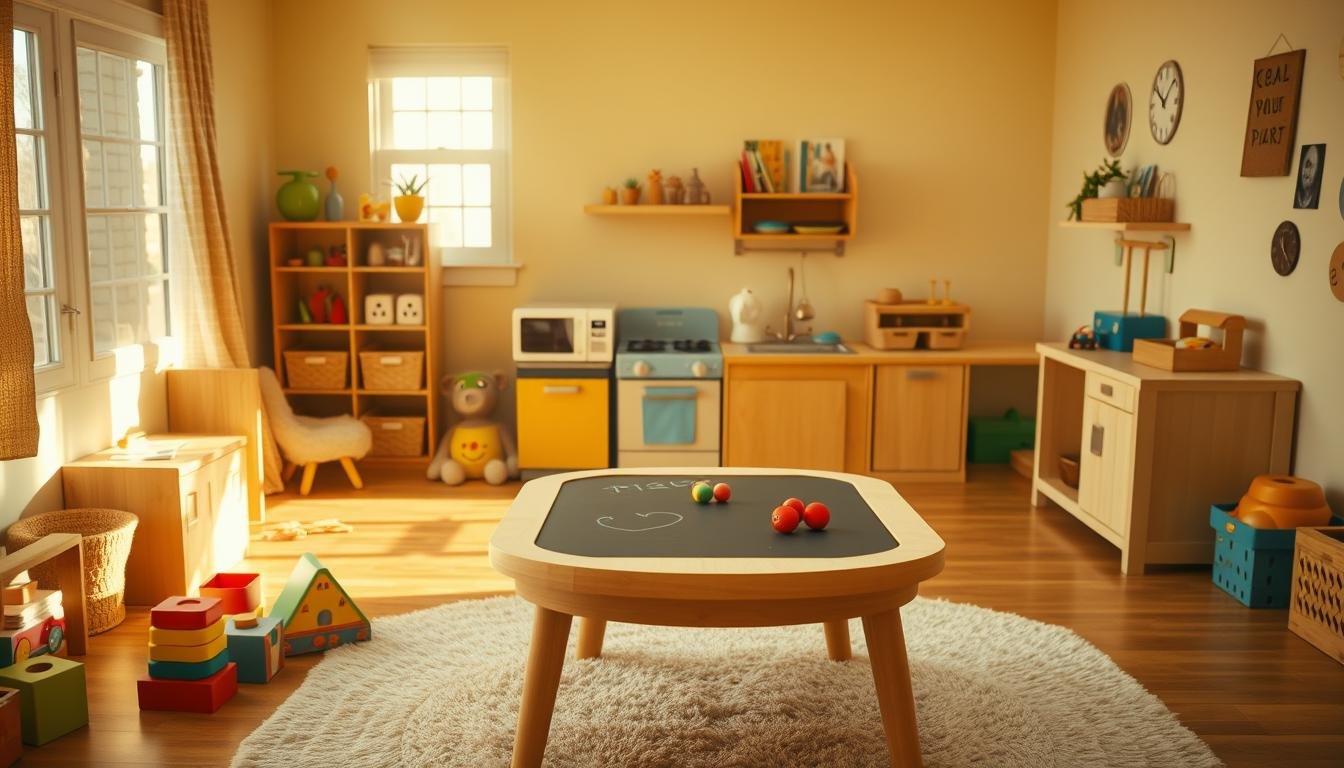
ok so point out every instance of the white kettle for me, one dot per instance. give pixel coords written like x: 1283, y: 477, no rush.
x: 745, y: 310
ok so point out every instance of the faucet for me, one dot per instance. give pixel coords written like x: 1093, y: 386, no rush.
x: 788, y: 334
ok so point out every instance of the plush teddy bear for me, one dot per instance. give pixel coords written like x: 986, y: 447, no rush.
x: 477, y: 446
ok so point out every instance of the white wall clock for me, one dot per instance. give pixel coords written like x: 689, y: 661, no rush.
x: 1165, y: 101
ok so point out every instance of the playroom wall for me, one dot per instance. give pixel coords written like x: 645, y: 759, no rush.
x: 944, y: 108
x: 1223, y: 262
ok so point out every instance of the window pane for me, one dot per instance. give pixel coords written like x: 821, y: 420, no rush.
x: 408, y: 93
x: 448, y: 223
x: 104, y: 327
x: 476, y: 184
x: 130, y: 321
x: 93, y: 175
x: 445, y: 93
x: 154, y: 263
x: 117, y: 172
x: 100, y: 252
x: 38, y: 317
x: 30, y: 172
x: 408, y: 130
x: 35, y: 273
x: 476, y: 130
x: 476, y: 227
x: 114, y: 95
x: 445, y: 184
x: 24, y: 91
x: 86, y: 65
x: 148, y: 190
x: 476, y: 93
x: 125, y: 250
x: 146, y: 106
x: 445, y: 130
x: 156, y: 308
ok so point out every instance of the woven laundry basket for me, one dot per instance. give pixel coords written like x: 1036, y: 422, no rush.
x: 107, y: 535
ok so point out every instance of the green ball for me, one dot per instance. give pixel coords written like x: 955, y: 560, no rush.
x: 701, y: 493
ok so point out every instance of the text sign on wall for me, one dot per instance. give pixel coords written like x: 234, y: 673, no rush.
x: 1271, y: 122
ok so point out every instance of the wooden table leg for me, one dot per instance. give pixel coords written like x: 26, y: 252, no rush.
x: 837, y: 639
x: 545, y: 658
x: 891, y: 677
x: 591, y: 632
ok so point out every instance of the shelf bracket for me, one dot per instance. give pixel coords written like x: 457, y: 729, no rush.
x: 1167, y: 246
x: 740, y: 248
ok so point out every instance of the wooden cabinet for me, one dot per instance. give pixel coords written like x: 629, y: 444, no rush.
x: 800, y: 416
x: 795, y: 208
x: 919, y: 418
x: 1106, y: 465
x: 192, y: 508
x: 563, y: 423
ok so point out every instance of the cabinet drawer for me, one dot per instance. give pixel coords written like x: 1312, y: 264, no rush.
x: 1108, y: 390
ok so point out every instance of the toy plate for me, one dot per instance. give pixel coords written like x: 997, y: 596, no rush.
x: 818, y: 229
x: 770, y: 227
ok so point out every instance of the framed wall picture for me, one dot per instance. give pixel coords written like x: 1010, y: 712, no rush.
x: 1116, y: 130
x: 1271, y: 118
x: 1285, y: 248
x: 1310, y: 169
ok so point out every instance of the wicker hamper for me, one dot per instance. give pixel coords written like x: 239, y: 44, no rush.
x: 316, y: 369
x: 107, y: 535
x: 390, y: 370
x: 396, y: 435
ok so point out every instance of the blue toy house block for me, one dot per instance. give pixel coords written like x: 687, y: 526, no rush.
x: 1118, y: 330
x: 258, y: 651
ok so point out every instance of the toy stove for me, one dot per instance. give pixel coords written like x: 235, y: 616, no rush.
x: 668, y: 370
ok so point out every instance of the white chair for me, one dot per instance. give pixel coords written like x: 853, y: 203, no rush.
x: 308, y: 440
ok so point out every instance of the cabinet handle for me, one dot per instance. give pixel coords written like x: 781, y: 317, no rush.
x: 920, y: 375
x: 1107, y: 390
x: 560, y: 389
x: 1098, y: 438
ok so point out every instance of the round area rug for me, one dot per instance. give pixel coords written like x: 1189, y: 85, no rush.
x: 441, y: 687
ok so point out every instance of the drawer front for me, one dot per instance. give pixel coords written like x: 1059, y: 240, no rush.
x: 1108, y: 390
x: 563, y: 423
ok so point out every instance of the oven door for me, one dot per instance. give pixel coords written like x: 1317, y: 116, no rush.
x: 668, y: 417
x: 550, y: 336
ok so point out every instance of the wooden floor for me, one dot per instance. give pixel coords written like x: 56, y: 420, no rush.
x: 1256, y: 693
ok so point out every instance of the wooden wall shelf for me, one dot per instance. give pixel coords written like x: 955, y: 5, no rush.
x: 658, y: 210
x: 794, y: 208
x: 1129, y: 226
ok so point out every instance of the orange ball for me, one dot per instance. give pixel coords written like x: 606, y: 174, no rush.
x: 784, y: 519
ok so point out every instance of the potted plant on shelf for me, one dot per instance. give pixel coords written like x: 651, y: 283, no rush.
x: 1092, y: 184
x: 409, y: 202
x: 630, y: 192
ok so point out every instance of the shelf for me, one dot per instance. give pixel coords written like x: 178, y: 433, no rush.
x: 302, y: 391
x: 1060, y: 493
x: 1129, y: 226
x: 347, y: 224
x: 312, y: 327
x: 785, y: 236
x: 392, y: 270
x: 794, y: 208
x: 389, y: 327
x: 311, y: 269
x: 797, y: 196
x: 395, y: 392
x: 658, y: 210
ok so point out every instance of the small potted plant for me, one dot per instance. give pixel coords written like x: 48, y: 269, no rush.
x: 630, y: 192
x: 409, y: 202
x: 1092, y: 185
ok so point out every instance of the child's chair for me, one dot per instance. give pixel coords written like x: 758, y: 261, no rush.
x: 308, y: 440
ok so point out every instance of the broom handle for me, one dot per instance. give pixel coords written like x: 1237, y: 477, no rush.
x: 1143, y: 289
x: 1129, y: 252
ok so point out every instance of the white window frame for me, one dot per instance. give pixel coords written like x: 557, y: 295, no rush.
x: 453, y: 61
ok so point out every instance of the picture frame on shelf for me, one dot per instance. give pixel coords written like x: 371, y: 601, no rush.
x: 821, y: 165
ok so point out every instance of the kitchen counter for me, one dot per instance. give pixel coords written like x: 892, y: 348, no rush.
x: 981, y: 353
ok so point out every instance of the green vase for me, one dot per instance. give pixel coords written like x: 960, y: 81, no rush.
x: 298, y: 197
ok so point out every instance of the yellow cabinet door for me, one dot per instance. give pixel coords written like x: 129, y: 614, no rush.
x: 787, y: 423
x: 919, y: 421
x: 563, y: 423
x: 1105, y: 472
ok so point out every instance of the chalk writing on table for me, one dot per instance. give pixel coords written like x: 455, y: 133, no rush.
x: 656, y: 485
x: 606, y: 522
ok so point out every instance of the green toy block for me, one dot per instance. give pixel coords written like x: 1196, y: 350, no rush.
x: 52, y: 697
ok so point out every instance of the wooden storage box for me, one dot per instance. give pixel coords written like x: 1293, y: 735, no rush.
x: 396, y: 435
x: 1164, y: 354
x: 392, y: 370
x: 1316, y: 611
x: 1129, y: 209
x: 316, y: 369
x: 912, y: 324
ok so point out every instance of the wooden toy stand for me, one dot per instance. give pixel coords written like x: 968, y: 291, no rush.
x: 1164, y: 354
x: 1148, y: 248
x: 66, y: 551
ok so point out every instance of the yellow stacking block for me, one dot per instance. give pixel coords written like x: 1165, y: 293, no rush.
x: 203, y: 652
x: 200, y: 636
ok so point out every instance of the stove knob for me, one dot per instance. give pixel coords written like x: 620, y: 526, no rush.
x: 641, y: 368
x: 699, y: 369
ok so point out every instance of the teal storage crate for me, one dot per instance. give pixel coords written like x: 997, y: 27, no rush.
x: 1254, y: 565
x: 989, y: 441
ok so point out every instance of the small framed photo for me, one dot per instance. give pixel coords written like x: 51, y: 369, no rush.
x: 821, y: 165
x: 1310, y: 168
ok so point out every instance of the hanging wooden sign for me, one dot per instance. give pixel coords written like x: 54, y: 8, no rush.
x: 1271, y: 120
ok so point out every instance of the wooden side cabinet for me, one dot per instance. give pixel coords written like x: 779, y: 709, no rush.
x: 919, y: 421
x: 801, y: 416
x: 193, y: 511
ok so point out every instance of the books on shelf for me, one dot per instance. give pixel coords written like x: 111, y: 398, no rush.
x: 46, y: 604
x: 818, y: 165
x: 763, y: 166
x: 821, y: 165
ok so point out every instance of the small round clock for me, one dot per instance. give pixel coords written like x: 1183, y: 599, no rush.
x: 1285, y: 248
x: 1165, y: 101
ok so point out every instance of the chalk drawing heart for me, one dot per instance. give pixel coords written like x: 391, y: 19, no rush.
x: 602, y: 522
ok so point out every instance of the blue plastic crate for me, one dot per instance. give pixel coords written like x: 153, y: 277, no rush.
x: 1254, y: 565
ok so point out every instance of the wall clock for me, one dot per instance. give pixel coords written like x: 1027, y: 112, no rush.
x: 1116, y: 129
x: 1285, y: 248
x: 1165, y: 101
x: 1337, y: 272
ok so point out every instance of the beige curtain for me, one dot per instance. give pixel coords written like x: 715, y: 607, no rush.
x: 18, y: 404
x: 213, y: 336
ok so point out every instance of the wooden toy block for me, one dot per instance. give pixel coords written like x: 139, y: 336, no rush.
x: 189, y: 653
x: 52, y: 697
x: 11, y: 728
x: 186, y: 613
x: 205, y: 696
x: 187, y: 670
x: 317, y: 612
x: 239, y: 592
x: 258, y: 649
x: 201, y: 636
x: 20, y: 593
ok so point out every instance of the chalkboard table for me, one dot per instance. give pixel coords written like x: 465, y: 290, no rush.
x: 630, y: 545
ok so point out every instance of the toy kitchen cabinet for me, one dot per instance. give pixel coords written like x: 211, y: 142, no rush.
x: 564, y: 419
x: 1156, y: 448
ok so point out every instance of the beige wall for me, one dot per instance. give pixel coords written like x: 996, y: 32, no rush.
x: 945, y: 108
x: 1223, y: 263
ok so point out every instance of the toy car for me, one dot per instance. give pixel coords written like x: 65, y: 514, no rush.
x: 43, y: 637
x: 1083, y: 338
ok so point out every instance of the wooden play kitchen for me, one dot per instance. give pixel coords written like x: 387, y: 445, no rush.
x: 632, y: 546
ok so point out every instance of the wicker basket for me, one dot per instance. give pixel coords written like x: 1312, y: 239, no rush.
x: 396, y: 435
x: 1129, y: 209
x: 317, y: 369
x: 1316, y: 611
x: 392, y: 370
x: 107, y: 535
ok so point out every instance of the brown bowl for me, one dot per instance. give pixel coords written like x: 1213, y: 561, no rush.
x: 1068, y: 469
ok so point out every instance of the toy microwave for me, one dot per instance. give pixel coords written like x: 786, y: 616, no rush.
x: 544, y: 334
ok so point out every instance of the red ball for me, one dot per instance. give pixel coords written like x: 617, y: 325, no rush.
x: 784, y: 519
x: 722, y: 492
x: 797, y: 504
x: 816, y: 515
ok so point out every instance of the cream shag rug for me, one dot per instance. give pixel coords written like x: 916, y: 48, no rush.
x: 441, y: 687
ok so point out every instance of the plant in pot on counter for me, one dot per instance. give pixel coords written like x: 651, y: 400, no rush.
x: 1092, y: 184
x: 409, y: 202
x: 630, y: 192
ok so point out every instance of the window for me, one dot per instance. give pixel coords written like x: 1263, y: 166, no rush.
x: 443, y: 115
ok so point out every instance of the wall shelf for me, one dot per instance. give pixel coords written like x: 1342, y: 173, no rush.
x: 794, y: 208
x: 658, y: 210
x: 1129, y: 226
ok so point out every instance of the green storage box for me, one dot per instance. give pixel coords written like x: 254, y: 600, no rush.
x: 989, y: 441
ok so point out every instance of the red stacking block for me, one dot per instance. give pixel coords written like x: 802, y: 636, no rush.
x: 204, y: 696
x: 186, y: 613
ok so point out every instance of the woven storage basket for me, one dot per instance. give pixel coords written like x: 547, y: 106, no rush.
x: 1316, y: 613
x: 317, y: 369
x: 392, y: 370
x: 1129, y: 209
x: 396, y: 435
x: 107, y: 535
